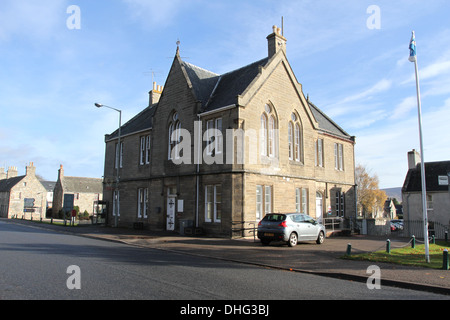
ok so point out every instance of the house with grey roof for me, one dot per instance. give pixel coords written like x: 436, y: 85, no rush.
x: 214, y: 153
x: 76, y: 191
x: 437, y: 176
x: 21, y: 196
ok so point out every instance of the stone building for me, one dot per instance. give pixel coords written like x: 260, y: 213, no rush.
x: 76, y: 191
x: 215, y: 153
x: 21, y: 196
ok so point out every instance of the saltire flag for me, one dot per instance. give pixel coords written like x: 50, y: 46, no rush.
x: 412, y: 48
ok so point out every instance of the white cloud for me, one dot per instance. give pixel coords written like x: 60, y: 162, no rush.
x: 404, y: 107
x: 380, y: 86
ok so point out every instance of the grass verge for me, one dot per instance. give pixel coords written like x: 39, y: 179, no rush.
x: 407, y: 255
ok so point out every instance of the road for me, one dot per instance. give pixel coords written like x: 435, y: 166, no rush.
x: 36, y: 264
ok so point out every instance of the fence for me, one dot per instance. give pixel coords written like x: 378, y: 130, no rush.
x: 415, y: 228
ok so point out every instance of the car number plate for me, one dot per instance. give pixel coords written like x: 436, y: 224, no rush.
x: 268, y: 234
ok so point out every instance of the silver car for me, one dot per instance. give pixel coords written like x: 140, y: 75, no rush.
x: 291, y: 228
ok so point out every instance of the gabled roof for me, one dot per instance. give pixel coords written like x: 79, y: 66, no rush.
x: 232, y: 84
x: 413, y: 180
x: 203, y: 81
x: 7, y: 184
x: 215, y: 91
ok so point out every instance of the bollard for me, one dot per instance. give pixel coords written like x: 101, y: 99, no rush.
x: 388, y: 246
x: 413, y: 242
x: 445, y: 260
x: 433, y: 239
x: 349, y: 249
x: 446, y: 236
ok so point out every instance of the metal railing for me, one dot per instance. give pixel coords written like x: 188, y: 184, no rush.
x: 244, y: 227
x: 333, y: 223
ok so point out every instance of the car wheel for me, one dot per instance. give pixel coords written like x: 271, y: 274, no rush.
x: 320, y: 238
x: 292, y: 240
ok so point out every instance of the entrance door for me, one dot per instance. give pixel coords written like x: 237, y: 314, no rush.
x: 170, y: 225
x: 319, y: 207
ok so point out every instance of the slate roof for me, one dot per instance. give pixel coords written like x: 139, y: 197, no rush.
x: 140, y: 122
x: 413, y: 180
x: 7, y: 184
x: 326, y: 124
x: 229, y: 85
x: 48, y: 185
x: 82, y: 185
x: 214, y: 91
x: 203, y: 81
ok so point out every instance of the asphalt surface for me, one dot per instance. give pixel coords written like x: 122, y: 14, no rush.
x: 308, y: 257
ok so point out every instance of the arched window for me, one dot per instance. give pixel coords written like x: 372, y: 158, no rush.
x: 272, y: 135
x: 264, y: 134
x: 297, y: 142
x: 291, y: 140
x: 295, y: 139
x: 268, y: 134
x: 174, y: 136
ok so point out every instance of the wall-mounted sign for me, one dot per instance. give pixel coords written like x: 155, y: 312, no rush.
x: 443, y: 180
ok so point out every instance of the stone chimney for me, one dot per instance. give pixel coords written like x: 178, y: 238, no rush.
x: 413, y: 159
x: 61, y: 173
x: 155, y: 94
x: 2, y: 173
x: 30, y: 170
x: 276, y: 42
x: 12, y: 172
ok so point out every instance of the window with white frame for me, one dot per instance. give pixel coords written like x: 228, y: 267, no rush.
x: 429, y: 201
x: 213, y: 203
x: 119, y: 157
x: 295, y: 144
x: 268, y: 133
x: 291, y: 140
x: 319, y: 153
x: 174, y: 136
x: 214, y: 136
x: 301, y: 200
x: 263, y: 135
x: 144, y: 155
x: 339, y: 156
x: 263, y: 201
x: 142, y: 202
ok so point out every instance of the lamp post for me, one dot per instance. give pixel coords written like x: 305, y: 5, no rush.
x: 116, y: 197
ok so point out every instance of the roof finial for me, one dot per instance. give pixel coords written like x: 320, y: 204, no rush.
x: 178, y: 45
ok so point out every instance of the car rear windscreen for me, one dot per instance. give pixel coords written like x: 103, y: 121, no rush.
x: 275, y: 217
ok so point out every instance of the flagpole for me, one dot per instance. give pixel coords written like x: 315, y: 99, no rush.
x: 422, y: 163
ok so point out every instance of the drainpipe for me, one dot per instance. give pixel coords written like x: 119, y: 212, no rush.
x: 199, y: 141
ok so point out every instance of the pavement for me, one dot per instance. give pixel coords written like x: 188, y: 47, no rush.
x: 308, y: 257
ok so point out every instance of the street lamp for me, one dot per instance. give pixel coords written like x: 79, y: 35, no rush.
x: 116, y: 197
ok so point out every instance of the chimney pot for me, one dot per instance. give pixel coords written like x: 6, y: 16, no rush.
x: 276, y: 42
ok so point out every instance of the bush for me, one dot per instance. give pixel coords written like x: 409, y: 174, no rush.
x: 83, y: 216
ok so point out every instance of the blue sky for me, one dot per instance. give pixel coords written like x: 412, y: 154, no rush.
x: 350, y: 59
